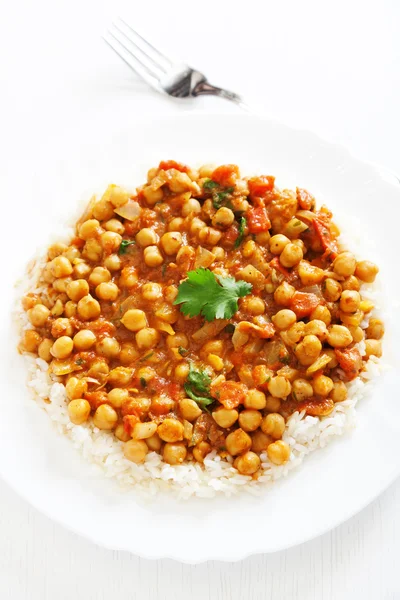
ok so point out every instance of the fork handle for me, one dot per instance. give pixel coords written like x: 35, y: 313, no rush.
x: 203, y: 88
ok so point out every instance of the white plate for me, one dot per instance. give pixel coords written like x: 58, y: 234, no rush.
x: 332, y: 484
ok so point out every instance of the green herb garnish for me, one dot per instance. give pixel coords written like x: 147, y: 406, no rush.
x: 210, y: 184
x: 242, y: 227
x: 212, y: 296
x: 143, y: 382
x: 146, y: 357
x: 230, y: 328
x: 220, y: 197
x: 163, y: 269
x: 182, y: 351
x: 197, y: 387
x: 79, y: 361
x: 123, y: 248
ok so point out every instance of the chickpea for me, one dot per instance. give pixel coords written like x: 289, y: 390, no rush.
x: 333, y: 362
x: 44, y: 350
x: 284, y: 318
x: 181, y: 372
x: 170, y: 430
x: 210, y: 236
x: 147, y: 338
x: 128, y: 354
x: 225, y: 417
x: 317, y: 328
x: 60, y: 285
x: 135, y: 451
x: 129, y: 277
x: 115, y: 226
x: 279, y: 387
x: 77, y: 289
x: 88, y: 308
x: 174, y: 453
x: 191, y: 206
x: 301, y: 389
x: 296, y: 332
x: 89, y: 229
x: 255, y: 399
x: 272, y: 404
x: 170, y: 293
x: 121, y: 434
x: 338, y: 392
x: 344, y: 264
x: 78, y: 411
x: 224, y: 217
x: 248, y: 249
x: 375, y: 329
x: 248, y: 463
x: 171, y: 242
x: 82, y: 270
x: 338, y: 336
x: 108, y: 347
x: 56, y: 249
x: 278, y: 452
x: 349, y: 301
x: 177, y: 340
x: 146, y: 373
x: 308, y: 350
x: 263, y: 238
x: 76, y: 388
x: 152, y: 256
x: 201, y: 450
x: 321, y: 313
x: 195, y: 225
x: 119, y: 376
x: 176, y: 224
x: 62, y: 347
x: 99, y: 370
x: 99, y: 275
x: 29, y: 301
x: 253, y: 305
x: 112, y: 262
x: 283, y: 294
x: 260, y: 441
x: 146, y: 237
x: 351, y: 283
x: 134, y: 319
x: 238, y: 442
x: 142, y: 431
x: 61, y: 326
x: 117, y: 397
x: 189, y: 409
x: 273, y: 425
x: 105, y: 417
x: 103, y: 210
x: 152, y: 291
x: 107, y: 291
x: 366, y: 271
x: 116, y: 195
x: 31, y: 340
x: 291, y: 255
x: 93, y: 250
x: 331, y: 290
x: 322, y: 385
x: 38, y: 315
x: 154, y: 443
x: 61, y: 267
x: 250, y: 420
x: 153, y: 196
x: 356, y: 333
x: 110, y: 241
x: 206, y: 171
x: 277, y: 243
x: 84, y: 339
x: 351, y: 318
x: 373, y: 348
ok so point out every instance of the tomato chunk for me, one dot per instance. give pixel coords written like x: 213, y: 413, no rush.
x: 305, y: 200
x: 259, y: 186
x: 325, y: 237
x: 229, y: 393
x: 258, y: 220
x: 303, y: 304
x: 226, y: 175
x: 172, y: 164
x: 350, y: 361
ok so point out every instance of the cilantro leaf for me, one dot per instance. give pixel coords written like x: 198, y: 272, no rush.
x: 220, y: 197
x: 210, y: 184
x: 214, y: 297
x: 242, y: 227
x: 182, y: 351
x: 198, y: 382
x: 124, y: 246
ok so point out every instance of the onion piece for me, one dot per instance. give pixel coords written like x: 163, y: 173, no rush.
x: 313, y: 289
x: 130, y: 211
x: 64, y: 367
x: 204, y: 258
x: 239, y: 338
x: 163, y: 326
x: 88, y: 212
x: 209, y: 330
x: 306, y: 215
x: 319, y: 364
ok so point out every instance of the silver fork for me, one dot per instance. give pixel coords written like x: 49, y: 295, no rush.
x: 160, y: 72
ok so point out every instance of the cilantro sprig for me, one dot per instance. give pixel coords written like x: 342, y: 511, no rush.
x: 212, y: 296
x: 242, y: 227
x: 197, y: 387
x: 123, y: 248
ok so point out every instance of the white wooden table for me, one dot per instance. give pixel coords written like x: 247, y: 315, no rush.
x: 330, y: 67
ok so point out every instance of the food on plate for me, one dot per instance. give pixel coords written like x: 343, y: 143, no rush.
x: 206, y: 318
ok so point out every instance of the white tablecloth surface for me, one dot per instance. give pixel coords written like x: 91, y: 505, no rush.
x: 333, y: 67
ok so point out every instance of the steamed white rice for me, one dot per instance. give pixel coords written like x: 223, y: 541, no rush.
x: 304, y: 434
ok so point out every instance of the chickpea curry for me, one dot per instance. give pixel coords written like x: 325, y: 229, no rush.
x: 200, y: 312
